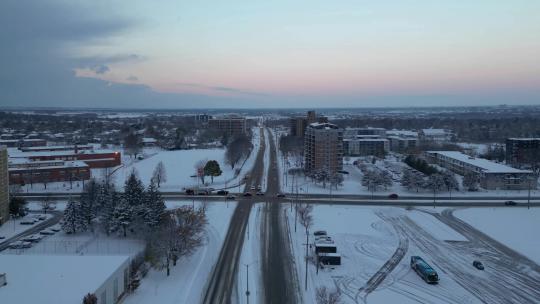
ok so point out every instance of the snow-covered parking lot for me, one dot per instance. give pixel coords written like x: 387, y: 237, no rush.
x: 377, y: 242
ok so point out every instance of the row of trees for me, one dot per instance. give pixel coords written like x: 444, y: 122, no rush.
x: 324, y: 176
x: 238, y: 149
x: 420, y: 165
x: 437, y: 182
x: 101, y: 206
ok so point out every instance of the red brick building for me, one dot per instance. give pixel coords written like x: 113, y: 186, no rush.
x: 29, y: 172
x: 94, y: 159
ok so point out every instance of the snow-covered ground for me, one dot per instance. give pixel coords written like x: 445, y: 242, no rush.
x: 187, y: 281
x: 514, y: 227
x: 366, y: 238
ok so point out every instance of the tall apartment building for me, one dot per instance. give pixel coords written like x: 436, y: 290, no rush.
x: 4, y: 186
x: 523, y: 152
x: 232, y: 125
x: 323, y: 147
x: 298, y: 125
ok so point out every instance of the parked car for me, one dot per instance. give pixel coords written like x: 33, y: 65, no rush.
x: 46, y: 232
x: 42, y: 217
x: 478, y: 265
x: 231, y: 197
x: 34, y: 238
x: 281, y: 195
x: 222, y: 192
x: 56, y: 228
x: 510, y: 203
x: 190, y: 192
x: 202, y: 192
x: 248, y: 194
x: 259, y: 187
x: 259, y: 193
x: 20, y: 245
x: 319, y: 233
x: 2, y: 237
x: 252, y: 188
x: 393, y: 196
x: 28, y: 221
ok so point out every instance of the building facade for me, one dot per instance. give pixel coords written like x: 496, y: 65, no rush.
x: 523, y: 152
x: 93, y: 158
x: 4, y: 185
x: 436, y: 135
x: 366, y: 146
x: 29, y: 172
x: 298, y: 125
x: 232, y: 125
x: 323, y: 147
x: 492, y: 175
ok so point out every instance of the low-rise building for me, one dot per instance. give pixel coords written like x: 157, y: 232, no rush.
x: 366, y: 146
x: 402, y: 140
x: 354, y: 132
x: 231, y: 125
x: 435, y: 135
x: 93, y: 158
x: 15, y: 143
x: 22, y: 171
x: 523, y: 152
x: 492, y: 175
x: 62, y: 279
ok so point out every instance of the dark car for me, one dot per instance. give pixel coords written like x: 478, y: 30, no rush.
x: 510, y: 203
x: 247, y: 194
x: 281, y: 195
x: 231, y: 197
x: 393, y: 196
x: 319, y: 233
x: 478, y: 265
x: 259, y: 193
x: 190, y: 192
x: 222, y: 192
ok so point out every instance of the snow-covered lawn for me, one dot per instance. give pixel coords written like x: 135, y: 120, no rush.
x: 366, y: 240
x: 516, y: 227
x: 187, y: 281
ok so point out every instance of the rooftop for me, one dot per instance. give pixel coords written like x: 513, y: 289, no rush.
x: 323, y: 125
x: 486, y: 165
x: 54, y: 278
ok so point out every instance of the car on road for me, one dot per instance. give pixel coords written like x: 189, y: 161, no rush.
x: 478, y: 265
x: 41, y: 217
x: 2, y: 237
x: 222, y: 192
x: 252, y: 188
x: 424, y: 270
x: 190, y: 192
x: 259, y: 193
x: 393, y: 196
x: 281, y: 195
x: 20, y: 245
x: 510, y: 203
x: 231, y: 197
x: 247, y: 194
x: 319, y: 233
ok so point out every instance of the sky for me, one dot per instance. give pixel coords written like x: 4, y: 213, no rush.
x: 270, y: 54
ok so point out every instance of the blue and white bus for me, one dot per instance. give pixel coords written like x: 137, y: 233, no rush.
x: 423, y: 269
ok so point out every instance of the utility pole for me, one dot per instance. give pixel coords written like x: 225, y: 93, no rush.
x: 307, y: 245
x: 247, y: 283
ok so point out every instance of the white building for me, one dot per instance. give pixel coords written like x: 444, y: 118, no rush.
x: 62, y: 279
x: 492, y: 175
x: 436, y: 135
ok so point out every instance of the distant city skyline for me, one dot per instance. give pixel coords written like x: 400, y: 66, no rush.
x: 254, y: 54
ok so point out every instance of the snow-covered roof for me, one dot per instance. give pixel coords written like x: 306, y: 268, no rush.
x: 17, y: 153
x: 54, y: 278
x: 402, y: 133
x: 431, y: 131
x: 484, y: 164
x: 323, y: 125
x: 22, y: 164
x: 524, y: 139
x: 149, y: 140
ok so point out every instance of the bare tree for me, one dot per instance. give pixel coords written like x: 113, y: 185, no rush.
x: 180, y: 234
x: 306, y: 220
x: 199, y: 168
x: 46, y: 203
x: 326, y: 297
x: 160, y: 174
x: 237, y: 149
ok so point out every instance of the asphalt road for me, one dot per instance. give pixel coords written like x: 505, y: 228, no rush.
x: 223, y: 278
x: 279, y: 281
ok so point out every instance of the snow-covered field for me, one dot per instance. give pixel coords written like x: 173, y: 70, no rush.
x: 187, y: 281
x: 517, y: 228
x: 368, y: 237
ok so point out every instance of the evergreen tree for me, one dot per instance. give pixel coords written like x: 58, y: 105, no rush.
x: 212, y: 169
x: 133, y: 190
x: 154, y: 206
x: 106, y: 201
x: 122, y: 217
x: 89, y: 201
x: 72, y: 221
